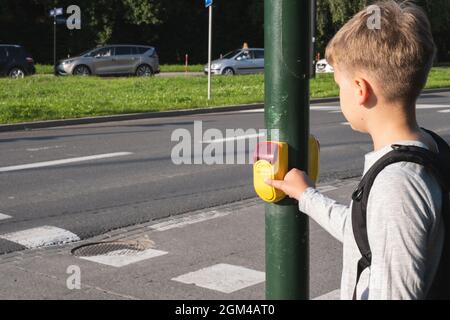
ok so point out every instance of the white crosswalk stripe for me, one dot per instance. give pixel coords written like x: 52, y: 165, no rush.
x: 4, y: 216
x: 224, y: 278
x: 41, y: 237
x: 121, y: 258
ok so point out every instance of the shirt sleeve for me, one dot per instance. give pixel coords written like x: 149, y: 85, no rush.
x: 326, y: 212
x: 400, y: 215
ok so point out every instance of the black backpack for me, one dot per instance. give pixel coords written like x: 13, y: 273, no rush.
x: 439, y: 166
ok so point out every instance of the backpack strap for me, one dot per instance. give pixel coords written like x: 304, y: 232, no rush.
x: 360, y: 197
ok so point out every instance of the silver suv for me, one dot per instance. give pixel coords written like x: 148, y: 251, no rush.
x: 141, y: 61
x: 241, y: 61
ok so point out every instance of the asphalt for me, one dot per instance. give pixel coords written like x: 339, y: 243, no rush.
x: 93, y: 197
x: 232, y: 234
x: 212, y: 213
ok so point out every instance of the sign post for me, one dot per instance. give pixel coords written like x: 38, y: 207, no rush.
x: 54, y: 13
x: 208, y: 4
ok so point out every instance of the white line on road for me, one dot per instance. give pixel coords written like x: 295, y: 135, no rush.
x: 336, y: 109
x: 63, y: 161
x: 185, y: 221
x: 43, y: 148
x: 249, y: 136
x: 41, y: 237
x: 251, y: 111
x: 325, y: 108
x: 4, y: 216
x: 444, y: 111
x: 121, y: 258
x: 324, y: 189
x: 346, y: 123
x: 431, y: 106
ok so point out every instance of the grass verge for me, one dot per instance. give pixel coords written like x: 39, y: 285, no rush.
x: 48, y: 69
x: 46, y: 97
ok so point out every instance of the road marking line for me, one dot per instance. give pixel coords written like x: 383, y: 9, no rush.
x: 252, y: 111
x: 333, y: 295
x: 41, y: 237
x: 121, y: 258
x: 325, y: 108
x: 43, y: 148
x: 346, y: 123
x: 249, y: 136
x: 223, y: 278
x: 63, y: 161
x: 337, y: 108
x: 326, y: 189
x: 4, y: 216
x: 431, y: 106
x: 185, y: 221
x: 444, y: 111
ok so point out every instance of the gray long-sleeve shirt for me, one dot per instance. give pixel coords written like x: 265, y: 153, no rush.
x: 404, y: 227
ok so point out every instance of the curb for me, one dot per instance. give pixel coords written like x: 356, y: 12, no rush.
x: 153, y: 115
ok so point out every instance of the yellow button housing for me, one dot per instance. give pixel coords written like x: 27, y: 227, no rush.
x: 271, y: 162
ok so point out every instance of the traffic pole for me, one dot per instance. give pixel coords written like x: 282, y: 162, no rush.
x: 209, y: 51
x: 287, y: 67
x: 54, y: 40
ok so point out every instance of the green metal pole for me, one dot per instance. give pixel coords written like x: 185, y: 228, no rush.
x: 287, y: 55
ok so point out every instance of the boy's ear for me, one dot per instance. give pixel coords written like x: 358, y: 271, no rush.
x: 363, y: 90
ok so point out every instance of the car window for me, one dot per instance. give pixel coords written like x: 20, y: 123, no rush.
x: 142, y: 50
x: 3, y: 53
x: 123, y: 51
x: 103, y: 52
x: 245, y: 55
x: 13, y: 51
x: 259, y: 54
x: 231, y: 54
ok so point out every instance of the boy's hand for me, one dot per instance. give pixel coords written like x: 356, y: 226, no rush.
x: 294, y: 184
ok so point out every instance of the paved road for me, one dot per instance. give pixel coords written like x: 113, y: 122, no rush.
x: 134, y: 179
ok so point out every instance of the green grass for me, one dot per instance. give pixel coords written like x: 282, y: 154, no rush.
x: 181, y: 68
x: 48, y: 69
x: 44, y: 69
x: 439, y: 78
x: 45, y: 97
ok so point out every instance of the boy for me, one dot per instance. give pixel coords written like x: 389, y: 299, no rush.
x: 381, y: 73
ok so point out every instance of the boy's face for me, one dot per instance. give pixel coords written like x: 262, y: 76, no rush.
x: 351, y: 100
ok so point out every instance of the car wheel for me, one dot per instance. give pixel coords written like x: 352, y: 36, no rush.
x: 228, y: 72
x: 81, y: 71
x: 16, y: 73
x: 144, y: 70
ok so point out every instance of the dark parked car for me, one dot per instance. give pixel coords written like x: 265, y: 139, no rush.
x: 15, y: 61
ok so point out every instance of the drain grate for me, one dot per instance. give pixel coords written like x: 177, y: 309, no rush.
x: 113, y: 248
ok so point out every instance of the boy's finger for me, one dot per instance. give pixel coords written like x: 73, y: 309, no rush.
x: 278, y: 184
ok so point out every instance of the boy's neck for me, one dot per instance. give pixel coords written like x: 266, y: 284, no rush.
x: 393, y: 126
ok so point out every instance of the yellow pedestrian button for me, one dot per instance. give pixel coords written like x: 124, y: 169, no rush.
x: 271, y: 162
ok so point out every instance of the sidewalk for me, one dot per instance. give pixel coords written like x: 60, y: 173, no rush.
x: 210, y: 254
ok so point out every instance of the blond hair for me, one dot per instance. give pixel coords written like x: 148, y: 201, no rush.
x: 399, y: 53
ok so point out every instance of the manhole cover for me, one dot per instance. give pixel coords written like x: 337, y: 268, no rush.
x: 113, y: 248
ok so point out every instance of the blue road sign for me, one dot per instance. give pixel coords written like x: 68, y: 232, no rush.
x: 208, y: 3
x: 56, y: 12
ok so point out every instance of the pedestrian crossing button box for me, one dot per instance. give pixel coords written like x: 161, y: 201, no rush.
x: 270, y: 162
